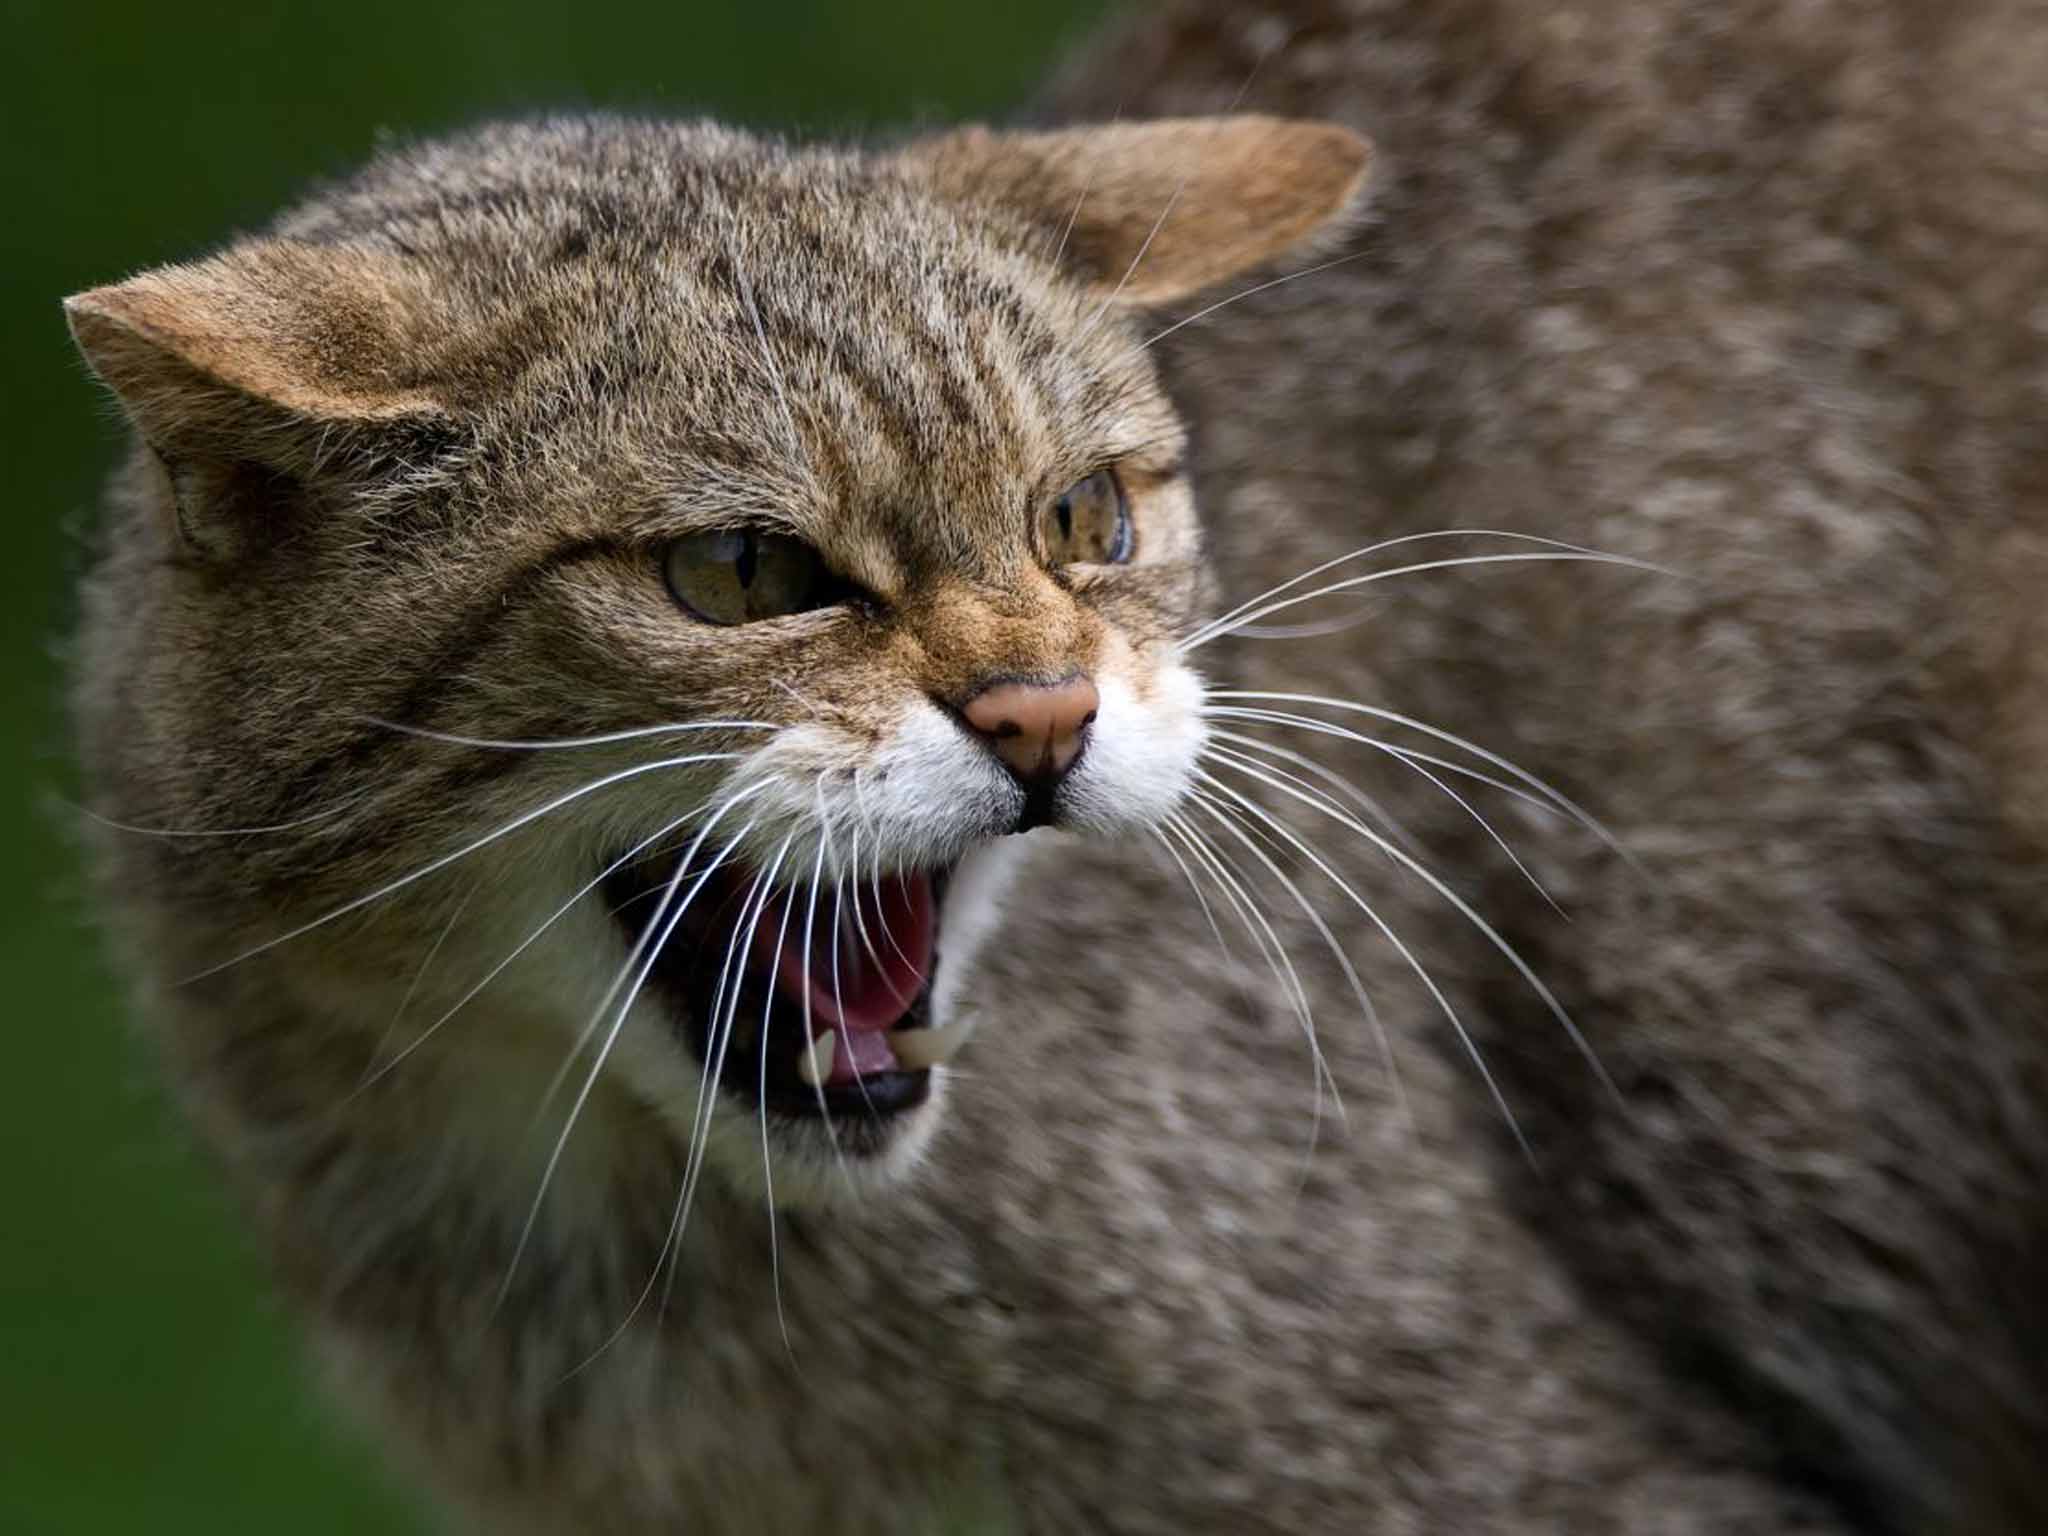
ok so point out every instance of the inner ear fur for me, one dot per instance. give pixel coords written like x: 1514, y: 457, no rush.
x: 240, y: 354
x: 1153, y: 212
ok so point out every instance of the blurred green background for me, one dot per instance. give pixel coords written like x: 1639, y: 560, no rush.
x: 146, y: 1381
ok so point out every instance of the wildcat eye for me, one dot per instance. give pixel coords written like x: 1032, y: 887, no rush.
x: 1088, y: 523
x: 738, y: 576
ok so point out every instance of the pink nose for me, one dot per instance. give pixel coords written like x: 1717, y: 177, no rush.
x: 1037, y: 729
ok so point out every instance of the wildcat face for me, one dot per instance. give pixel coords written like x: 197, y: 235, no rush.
x: 675, y: 567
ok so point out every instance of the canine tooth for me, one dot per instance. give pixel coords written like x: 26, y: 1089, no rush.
x: 917, y: 1048
x: 814, y: 1061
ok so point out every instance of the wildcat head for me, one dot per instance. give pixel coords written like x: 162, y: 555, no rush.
x: 636, y: 580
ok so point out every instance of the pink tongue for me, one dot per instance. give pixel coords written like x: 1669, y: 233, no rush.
x: 866, y: 964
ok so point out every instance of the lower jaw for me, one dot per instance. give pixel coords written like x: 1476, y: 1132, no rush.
x: 772, y: 1086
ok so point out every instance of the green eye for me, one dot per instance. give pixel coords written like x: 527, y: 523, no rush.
x: 742, y: 575
x: 1088, y: 523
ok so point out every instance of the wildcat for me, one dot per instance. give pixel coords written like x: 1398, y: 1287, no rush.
x: 592, y: 603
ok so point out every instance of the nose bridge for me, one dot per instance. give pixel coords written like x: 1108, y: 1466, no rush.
x: 973, y: 637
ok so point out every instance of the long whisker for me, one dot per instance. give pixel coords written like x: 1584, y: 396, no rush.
x: 1445, y: 893
x: 767, y: 1161
x: 839, y: 885
x: 1353, y: 583
x: 1230, y: 880
x: 1328, y: 775
x: 1514, y: 770
x: 1164, y: 213
x: 524, y: 944
x: 874, y: 880
x: 1231, y: 964
x: 1208, y: 916
x: 1246, y: 293
x: 736, y: 946
x: 810, y: 935
x: 1309, y: 629
x: 1217, y: 812
x: 197, y: 832
x: 716, y: 1066
x: 525, y: 818
x: 1067, y: 231
x: 560, y: 743
x: 597, y: 1064
x: 1393, y: 749
x: 671, y: 1239
x: 371, y: 1070
x: 1459, y: 800
x: 1224, y: 620
x: 1235, y: 886
x: 667, y: 912
x: 853, y: 881
x: 1401, y: 948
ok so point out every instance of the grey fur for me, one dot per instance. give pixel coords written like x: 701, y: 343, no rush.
x: 1752, y: 292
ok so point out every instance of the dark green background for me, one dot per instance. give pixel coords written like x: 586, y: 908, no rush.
x: 146, y: 1383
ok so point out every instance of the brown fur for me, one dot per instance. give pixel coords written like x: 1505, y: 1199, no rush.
x: 1750, y: 292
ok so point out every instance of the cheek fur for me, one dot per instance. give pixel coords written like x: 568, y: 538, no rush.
x: 921, y: 796
x: 1141, y: 753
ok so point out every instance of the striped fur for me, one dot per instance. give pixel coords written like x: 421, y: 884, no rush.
x: 1748, y: 291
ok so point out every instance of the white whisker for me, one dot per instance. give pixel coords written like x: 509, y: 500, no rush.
x: 524, y: 944
x: 1330, y: 943
x: 767, y: 1160
x: 715, y: 1067
x: 1328, y: 775
x: 1393, y: 749
x: 1353, y: 583
x: 662, y: 912
x: 561, y: 743
x: 1224, y: 620
x: 1463, y: 907
x: 184, y: 832
x: 525, y: 818
x: 667, y: 916
x: 1459, y: 800
x: 671, y: 1239
x: 1164, y: 213
x: 838, y: 997
x: 1401, y: 948
x: 1229, y: 879
x: 1337, y: 951
x: 371, y: 1070
x: 810, y: 934
x: 1246, y: 293
x: 1522, y: 775
x: 1223, y: 948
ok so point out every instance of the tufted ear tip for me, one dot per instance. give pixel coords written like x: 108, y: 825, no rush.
x: 1150, y: 213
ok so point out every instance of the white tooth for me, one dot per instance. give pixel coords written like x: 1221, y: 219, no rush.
x: 918, y: 1048
x: 814, y: 1061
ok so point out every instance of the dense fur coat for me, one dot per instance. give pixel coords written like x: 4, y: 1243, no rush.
x: 1753, y: 293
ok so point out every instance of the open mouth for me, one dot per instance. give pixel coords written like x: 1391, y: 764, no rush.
x: 801, y: 1006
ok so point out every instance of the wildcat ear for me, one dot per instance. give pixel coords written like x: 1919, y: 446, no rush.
x: 231, y: 354
x: 1153, y: 212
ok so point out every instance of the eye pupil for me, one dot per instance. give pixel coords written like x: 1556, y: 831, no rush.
x: 1089, y: 523
x: 740, y: 575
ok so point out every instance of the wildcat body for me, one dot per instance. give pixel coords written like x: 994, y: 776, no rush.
x: 1789, y: 1282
